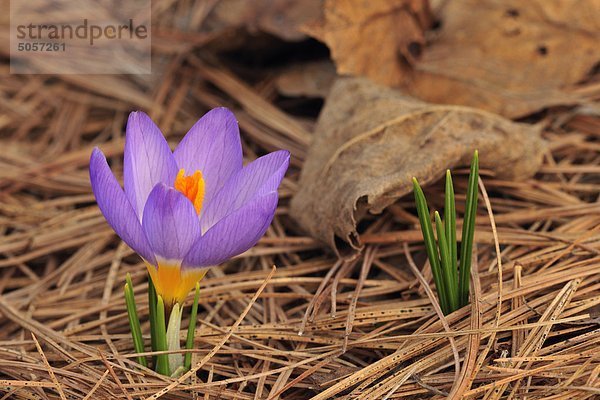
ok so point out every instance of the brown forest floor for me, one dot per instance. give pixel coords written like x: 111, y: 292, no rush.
x: 369, y: 330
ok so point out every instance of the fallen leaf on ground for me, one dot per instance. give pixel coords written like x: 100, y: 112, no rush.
x: 371, y: 140
x: 378, y: 39
x: 509, y: 57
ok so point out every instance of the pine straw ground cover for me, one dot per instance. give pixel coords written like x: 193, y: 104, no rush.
x: 315, y: 327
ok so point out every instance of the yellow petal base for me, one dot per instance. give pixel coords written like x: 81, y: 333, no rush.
x: 171, y: 283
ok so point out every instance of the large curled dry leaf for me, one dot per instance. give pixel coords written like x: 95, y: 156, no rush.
x: 510, y: 57
x: 371, y: 140
x: 378, y: 39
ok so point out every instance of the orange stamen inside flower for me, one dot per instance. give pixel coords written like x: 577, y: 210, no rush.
x: 192, y: 187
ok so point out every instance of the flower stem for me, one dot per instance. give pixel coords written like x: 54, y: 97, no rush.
x: 468, y: 231
x: 430, y: 246
x: 189, y: 343
x: 449, y: 275
x: 134, y: 321
x: 450, y: 220
x: 152, y: 300
x: 162, y: 360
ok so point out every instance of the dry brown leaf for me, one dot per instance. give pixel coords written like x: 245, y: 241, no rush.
x: 378, y: 39
x: 510, y: 57
x: 371, y: 140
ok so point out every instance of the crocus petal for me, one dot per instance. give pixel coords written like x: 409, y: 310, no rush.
x: 258, y: 178
x: 170, y: 223
x: 233, y: 234
x: 212, y: 146
x: 116, y: 207
x: 147, y: 160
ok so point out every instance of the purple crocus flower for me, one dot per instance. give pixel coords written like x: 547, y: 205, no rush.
x: 190, y: 209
